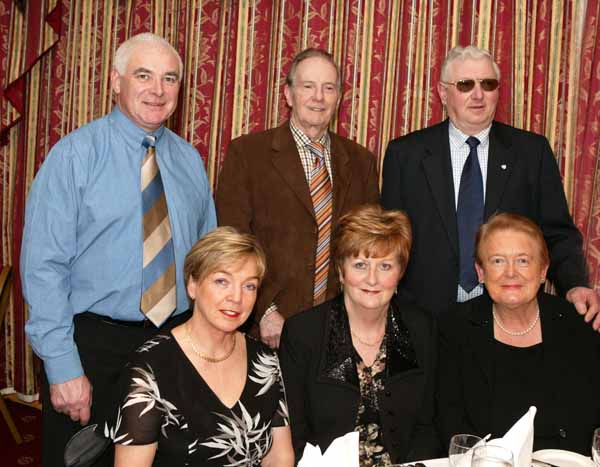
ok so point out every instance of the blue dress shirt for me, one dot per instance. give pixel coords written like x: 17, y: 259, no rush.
x: 82, y: 243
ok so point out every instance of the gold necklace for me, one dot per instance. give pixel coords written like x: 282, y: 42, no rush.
x: 368, y: 344
x: 206, y: 357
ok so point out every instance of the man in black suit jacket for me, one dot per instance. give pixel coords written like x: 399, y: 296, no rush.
x: 422, y: 174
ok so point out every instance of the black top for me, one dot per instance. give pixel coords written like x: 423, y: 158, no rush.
x: 517, y: 379
x: 168, y: 402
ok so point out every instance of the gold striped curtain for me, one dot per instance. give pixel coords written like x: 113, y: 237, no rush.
x: 236, y: 55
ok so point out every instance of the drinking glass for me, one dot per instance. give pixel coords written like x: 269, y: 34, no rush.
x: 491, y: 456
x: 460, y: 449
x: 596, y: 447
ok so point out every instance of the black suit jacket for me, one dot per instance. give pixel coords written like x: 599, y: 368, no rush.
x: 522, y: 178
x: 322, y: 385
x: 570, y: 385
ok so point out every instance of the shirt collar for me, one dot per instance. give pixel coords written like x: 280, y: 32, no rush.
x: 134, y: 135
x: 458, y: 138
x: 303, y: 140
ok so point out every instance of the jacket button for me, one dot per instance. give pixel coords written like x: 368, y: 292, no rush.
x: 388, y: 393
x: 562, y: 433
x: 390, y: 412
x: 393, y: 429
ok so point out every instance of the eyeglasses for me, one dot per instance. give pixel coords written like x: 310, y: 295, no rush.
x: 466, y: 85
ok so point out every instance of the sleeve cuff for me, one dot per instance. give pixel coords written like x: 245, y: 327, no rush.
x: 272, y: 309
x: 63, y: 368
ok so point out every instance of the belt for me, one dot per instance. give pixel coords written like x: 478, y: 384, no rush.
x: 145, y: 323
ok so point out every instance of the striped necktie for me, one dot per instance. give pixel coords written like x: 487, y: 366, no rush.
x: 159, y: 295
x: 322, y: 198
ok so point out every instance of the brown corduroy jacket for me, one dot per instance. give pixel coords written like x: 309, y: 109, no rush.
x: 262, y: 189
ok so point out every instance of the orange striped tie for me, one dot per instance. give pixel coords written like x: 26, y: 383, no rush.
x: 322, y: 198
x: 159, y: 294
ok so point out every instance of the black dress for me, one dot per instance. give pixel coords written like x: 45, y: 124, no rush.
x: 168, y: 402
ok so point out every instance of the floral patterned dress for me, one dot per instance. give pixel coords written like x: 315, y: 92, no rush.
x: 371, y: 451
x: 168, y: 402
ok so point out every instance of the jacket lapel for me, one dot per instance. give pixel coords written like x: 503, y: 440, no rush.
x: 500, y: 165
x: 481, y: 335
x: 438, y: 171
x: 341, y: 174
x: 556, y: 359
x: 286, y: 161
x: 337, y: 364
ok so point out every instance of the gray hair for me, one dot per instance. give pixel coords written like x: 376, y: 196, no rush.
x: 463, y: 53
x: 309, y: 53
x: 123, y: 53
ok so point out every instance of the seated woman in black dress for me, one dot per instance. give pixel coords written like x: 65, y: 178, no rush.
x: 516, y: 347
x: 205, y: 394
x: 364, y: 361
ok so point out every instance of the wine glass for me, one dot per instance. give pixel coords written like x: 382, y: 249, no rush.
x: 460, y: 449
x: 492, y: 456
x: 596, y: 447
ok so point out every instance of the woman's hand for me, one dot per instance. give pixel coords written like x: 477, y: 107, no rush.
x: 586, y: 303
x: 270, y: 329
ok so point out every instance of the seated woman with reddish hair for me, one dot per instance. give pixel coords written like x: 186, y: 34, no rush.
x: 364, y: 361
x: 516, y: 346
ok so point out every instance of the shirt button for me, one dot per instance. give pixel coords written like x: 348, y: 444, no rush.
x: 562, y: 433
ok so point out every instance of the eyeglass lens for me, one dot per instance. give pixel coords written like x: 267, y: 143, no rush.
x: 487, y: 84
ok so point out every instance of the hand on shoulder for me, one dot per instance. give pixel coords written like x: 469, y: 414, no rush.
x: 587, y: 304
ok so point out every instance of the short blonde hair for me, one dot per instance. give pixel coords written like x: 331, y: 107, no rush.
x: 221, y: 248
x: 463, y: 53
x: 507, y: 221
x: 374, y: 232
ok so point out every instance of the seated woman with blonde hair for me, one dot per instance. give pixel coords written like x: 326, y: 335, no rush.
x: 364, y: 361
x: 206, y: 394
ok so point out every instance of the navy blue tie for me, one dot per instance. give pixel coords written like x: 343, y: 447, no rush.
x: 469, y: 215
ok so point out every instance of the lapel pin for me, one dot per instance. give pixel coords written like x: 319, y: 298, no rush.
x: 503, y: 166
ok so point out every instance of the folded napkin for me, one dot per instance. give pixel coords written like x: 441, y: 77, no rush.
x: 343, y: 451
x: 519, y: 439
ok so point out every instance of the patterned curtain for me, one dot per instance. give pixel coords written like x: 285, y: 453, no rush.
x: 55, y: 61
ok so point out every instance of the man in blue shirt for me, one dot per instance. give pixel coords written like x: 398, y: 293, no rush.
x: 84, y: 256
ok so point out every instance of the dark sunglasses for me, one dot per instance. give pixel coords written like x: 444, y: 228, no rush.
x: 466, y: 85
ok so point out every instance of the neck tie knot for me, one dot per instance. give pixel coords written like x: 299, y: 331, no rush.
x: 149, y: 141
x: 318, y: 151
x: 473, y: 142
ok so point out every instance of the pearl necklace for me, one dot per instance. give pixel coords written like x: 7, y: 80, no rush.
x: 368, y: 344
x: 206, y: 357
x: 517, y: 333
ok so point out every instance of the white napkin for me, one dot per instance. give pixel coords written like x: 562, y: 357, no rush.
x: 519, y: 439
x: 343, y: 451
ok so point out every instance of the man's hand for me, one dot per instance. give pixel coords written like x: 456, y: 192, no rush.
x: 586, y: 303
x: 270, y: 329
x: 73, y: 398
